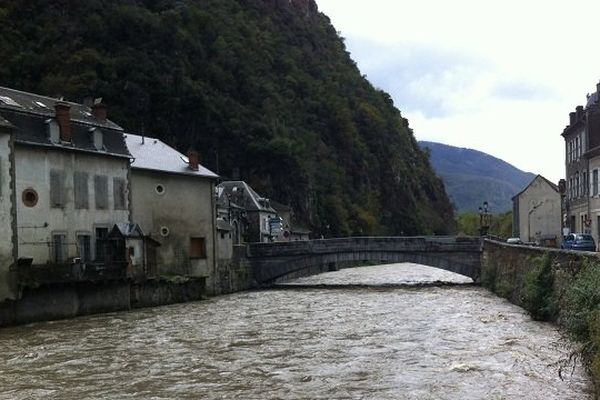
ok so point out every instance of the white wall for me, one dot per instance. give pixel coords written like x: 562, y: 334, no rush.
x: 37, y: 224
x: 6, y: 218
x: 539, y: 211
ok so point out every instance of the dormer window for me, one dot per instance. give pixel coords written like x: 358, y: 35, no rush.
x: 53, y: 131
x: 97, y: 138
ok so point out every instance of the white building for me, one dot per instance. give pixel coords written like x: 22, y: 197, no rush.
x: 71, y: 170
x: 7, y: 215
x: 537, y: 212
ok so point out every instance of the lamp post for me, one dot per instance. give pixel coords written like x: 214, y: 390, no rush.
x: 485, y: 219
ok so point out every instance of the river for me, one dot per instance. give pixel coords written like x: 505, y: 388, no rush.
x: 380, y: 340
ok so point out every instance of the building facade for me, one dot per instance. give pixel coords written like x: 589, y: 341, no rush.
x: 537, y: 212
x: 71, y: 173
x: 258, y: 210
x: 7, y: 212
x: 173, y: 201
x: 582, y: 160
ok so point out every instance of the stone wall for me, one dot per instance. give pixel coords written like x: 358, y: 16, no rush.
x: 504, y: 267
x: 59, y: 301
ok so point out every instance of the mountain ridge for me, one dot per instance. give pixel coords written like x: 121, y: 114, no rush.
x: 472, y: 177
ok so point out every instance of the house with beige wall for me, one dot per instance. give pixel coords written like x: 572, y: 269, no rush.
x: 71, y: 172
x: 172, y: 198
x: 7, y: 212
x: 537, y: 212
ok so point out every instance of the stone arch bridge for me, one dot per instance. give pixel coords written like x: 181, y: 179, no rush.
x: 273, y: 261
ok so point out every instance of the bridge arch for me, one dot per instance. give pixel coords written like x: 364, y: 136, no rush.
x: 272, y: 261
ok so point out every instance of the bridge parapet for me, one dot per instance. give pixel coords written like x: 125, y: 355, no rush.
x: 274, y: 260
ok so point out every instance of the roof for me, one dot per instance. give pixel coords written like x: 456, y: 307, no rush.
x: 29, y: 114
x: 242, y: 194
x: 30, y: 103
x: 552, y: 185
x: 33, y: 129
x: 155, y: 155
x: 125, y: 229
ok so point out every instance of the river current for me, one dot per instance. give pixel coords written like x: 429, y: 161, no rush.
x: 373, y: 339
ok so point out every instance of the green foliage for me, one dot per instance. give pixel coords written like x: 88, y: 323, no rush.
x: 501, y: 224
x: 581, y: 302
x: 538, y: 292
x: 267, y: 94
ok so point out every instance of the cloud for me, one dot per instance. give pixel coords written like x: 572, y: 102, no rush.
x: 426, y: 79
x: 523, y: 90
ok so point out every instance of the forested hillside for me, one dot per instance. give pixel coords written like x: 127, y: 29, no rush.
x: 264, y: 89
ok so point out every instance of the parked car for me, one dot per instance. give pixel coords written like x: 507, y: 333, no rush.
x: 514, y: 240
x: 579, y: 241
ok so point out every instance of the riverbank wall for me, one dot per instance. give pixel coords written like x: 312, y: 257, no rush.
x: 68, y: 300
x: 554, y: 285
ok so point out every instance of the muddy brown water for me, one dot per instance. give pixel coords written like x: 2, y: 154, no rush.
x: 376, y: 341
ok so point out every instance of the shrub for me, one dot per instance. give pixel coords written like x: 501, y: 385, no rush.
x: 538, y: 296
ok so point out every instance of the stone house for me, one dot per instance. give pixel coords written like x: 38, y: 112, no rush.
x: 172, y: 198
x: 7, y: 212
x: 537, y: 212
x: 71, y: 173
x: 582, y: 164
x: 258, y: 210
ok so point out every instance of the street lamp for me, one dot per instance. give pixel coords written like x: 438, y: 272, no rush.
x: 485, y: 219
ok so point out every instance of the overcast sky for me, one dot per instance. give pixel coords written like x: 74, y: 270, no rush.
x: 495, y: 76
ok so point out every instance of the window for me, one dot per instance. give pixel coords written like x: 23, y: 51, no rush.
x: 577, y: 184
x: 30, y: 197
x: 80, y: 181
x: 97, y: 138
x: 595, y: 182
x: 119, y: 193
x: 59, y: 245
x: 53, y: 131
x: 584, y: 184
x: 57, y: 189
x: 84, y: 248
x: 101, y: 243
x: 197, y: 248
x: 101, y: 191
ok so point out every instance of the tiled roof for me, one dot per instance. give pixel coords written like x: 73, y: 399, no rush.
x: 155, y: 155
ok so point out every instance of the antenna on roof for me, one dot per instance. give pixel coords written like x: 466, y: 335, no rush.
x: 98, y: 100
x: 143, y: 136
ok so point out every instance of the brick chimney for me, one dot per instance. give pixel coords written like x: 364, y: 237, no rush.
x: 99, y: 111
x: 193, y: 159
x: 63, y: 119
x: 572, y: 118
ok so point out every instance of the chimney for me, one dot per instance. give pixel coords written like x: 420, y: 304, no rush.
x: 579, y: 112
x: 193, y: 159
x: 99, y: 111
x: 572, y: 118
x: 598, y: 89
x: 63, y: 119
